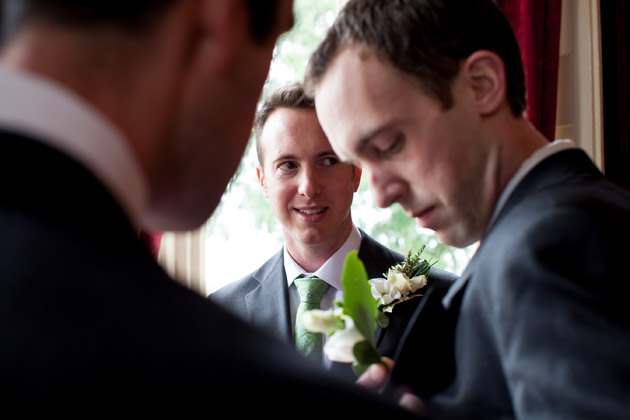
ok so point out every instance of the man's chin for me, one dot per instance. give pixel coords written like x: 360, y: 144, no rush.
x: 457, y: 239
x: 177, y: 216
x: 311, y: 238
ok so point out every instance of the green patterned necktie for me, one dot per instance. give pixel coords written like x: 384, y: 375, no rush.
x: 311, y: 291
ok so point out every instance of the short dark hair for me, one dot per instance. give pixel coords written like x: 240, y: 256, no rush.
x: 135, y: 15
x: 290, y: 96
x: 425, y: 38
x: 130, y: 15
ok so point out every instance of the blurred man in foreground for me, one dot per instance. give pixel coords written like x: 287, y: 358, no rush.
x: 116, y: 115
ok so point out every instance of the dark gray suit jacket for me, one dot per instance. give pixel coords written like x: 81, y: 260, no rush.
x: 262, y: 298
x: 543, y: 330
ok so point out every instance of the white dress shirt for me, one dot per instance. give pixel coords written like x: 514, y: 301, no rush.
x: 529, y: 164
x: 56, y: 116
x: 330, y: 272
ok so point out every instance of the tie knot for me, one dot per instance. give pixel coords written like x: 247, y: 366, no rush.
x: 311, y: 289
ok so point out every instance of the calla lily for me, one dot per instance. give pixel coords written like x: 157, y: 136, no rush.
x: 340, y: 346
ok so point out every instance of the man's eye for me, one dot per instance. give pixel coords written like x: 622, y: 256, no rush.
x: 285, y: 166
x: 392, y: 147
x: 330, y: 161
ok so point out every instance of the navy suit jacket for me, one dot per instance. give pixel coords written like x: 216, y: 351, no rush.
x: 90, y: 323
x: 262, y: 298
x: 541, y: 324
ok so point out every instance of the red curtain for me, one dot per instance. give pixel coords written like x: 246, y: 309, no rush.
x: 152, y: 240
x: 536, y: 24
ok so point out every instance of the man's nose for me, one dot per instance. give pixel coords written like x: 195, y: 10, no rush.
x: 386, y: 190
x: 310, y: 184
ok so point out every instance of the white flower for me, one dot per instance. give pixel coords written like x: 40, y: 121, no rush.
x: 320, y: 321
x: 340, y: 328
x: 384, y: 291
x: 339, y: 347
x: 417, y: 282
x: 395, y: 287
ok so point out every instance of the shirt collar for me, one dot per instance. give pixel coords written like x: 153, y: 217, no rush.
x: 332, y: 269
x: 59, y: 118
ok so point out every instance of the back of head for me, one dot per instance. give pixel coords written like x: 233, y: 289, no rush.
x: 425, y: 38
x: 291, y: 96
x: 117, y: 53
x: 129, y: 15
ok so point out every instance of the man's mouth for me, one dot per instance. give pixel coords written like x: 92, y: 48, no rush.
x: 423, y: 216
x: 312, y: 211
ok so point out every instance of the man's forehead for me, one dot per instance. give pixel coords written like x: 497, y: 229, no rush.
x: 294, y: 131
x: 290, y: 121
x: 345, y: 83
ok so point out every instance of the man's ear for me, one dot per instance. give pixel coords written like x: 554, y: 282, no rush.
x: 261, y: 178
x: 486, y: 75
x: 357, y: 177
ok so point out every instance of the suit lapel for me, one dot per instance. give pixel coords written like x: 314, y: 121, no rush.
x: 428, y: 341
x: 373, y: 258
x: 268, y: 304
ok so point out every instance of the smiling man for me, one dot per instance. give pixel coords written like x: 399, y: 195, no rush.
x: 310, y: 192
x: 428, y: 96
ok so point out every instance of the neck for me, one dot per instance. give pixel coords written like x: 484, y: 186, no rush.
x: 312, y: 256
x: 121, y: 75
x: 512, y: 140
x: 522, y: 141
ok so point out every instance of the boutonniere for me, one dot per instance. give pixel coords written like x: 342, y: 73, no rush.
x: 400, y: 283
x: 351, y: 325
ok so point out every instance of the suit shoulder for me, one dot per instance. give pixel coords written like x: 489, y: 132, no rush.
x: 438, y: 274
x: 237, y: 288
x: 373, y: 247
x: 233, y: 293
x: 232, y: 296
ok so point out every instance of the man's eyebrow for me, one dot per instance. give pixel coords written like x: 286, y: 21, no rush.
x: 327, y: 153
x: 284, y: 157
x: 289, y: 156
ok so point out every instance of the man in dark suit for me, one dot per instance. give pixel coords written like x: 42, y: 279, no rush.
x: 310, y: 192
x: 113, y: 115
x: 428, y: 96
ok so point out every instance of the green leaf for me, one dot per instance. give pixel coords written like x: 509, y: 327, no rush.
x: 383, y: 320
x: 365, y: 354
x: 358, y: 302
x: 359, y: 368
